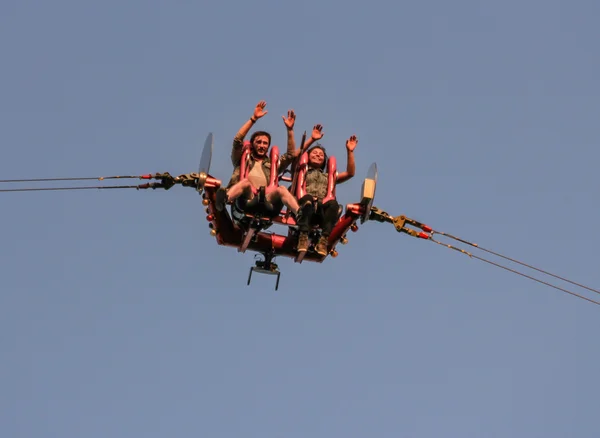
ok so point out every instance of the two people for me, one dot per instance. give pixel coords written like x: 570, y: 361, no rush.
x: 310, y: 209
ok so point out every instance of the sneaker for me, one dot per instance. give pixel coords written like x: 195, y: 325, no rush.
x: 321, y: 247
x: 303, y: 242
x: 221, y: 199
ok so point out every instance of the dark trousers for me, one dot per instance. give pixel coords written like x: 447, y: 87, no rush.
x: 311, y: 213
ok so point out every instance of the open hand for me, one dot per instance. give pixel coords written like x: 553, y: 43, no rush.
x: 351, y: 143
x: 317, y: 132
x: 290, y: 120
x: 259, y: 111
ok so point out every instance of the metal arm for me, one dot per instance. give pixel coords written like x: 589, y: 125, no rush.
x: 166, y: 180
x: 400, y: 222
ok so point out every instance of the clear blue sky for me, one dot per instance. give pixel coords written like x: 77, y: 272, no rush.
x: 121, y: 317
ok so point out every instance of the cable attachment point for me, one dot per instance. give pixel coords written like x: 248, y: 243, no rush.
x: 379, y: 215
x: 400, y: 222
x: 166, y: 181
x: 188, y: 179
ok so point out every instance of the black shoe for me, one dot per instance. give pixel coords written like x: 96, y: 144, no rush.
x: 221, y: 199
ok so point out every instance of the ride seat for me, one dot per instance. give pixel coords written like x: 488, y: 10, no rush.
x: 258, y: 206
x: 300, y: 189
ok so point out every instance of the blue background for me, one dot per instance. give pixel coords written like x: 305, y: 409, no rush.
x: 119, y: 314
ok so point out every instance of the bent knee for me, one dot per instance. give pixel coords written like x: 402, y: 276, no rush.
x: 240, y: 184
x: 282, y: 191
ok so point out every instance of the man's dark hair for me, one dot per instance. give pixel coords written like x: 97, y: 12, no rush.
x: 258, y: 133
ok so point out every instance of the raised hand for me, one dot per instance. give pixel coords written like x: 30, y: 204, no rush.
x: 290, y: 120
x: 317, y: 132
x: 351, y: 143
x: 259, y: 111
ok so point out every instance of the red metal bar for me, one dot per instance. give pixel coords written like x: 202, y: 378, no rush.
x: 247, y: 238
x: 300, y: 189
x: 273, y: 180
x: 344, y: 224
x: 331, y: 179
x: 246, y: 151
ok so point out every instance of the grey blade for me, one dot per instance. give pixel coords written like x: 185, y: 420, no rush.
x: 206, y: 154
x: 368, y: 191
x: 205, y: 160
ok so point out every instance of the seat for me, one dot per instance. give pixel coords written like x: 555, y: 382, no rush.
x: 244, y: 211
x: 300, y: 189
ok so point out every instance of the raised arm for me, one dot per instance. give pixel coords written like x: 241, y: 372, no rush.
x: 351, y: 166
x: 238, y: 140
x: 287, y: 158
x: 289, y: 124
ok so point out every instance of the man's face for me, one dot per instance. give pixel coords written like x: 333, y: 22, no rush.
x: 316, y: 158
x: 261, y: 145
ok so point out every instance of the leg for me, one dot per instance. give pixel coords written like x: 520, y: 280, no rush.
x: 243, y: 187
x: 303, y: 219
x: 328, y: 213
x: 305, y: 214
x: 281, y: 193
x: 329, y: 216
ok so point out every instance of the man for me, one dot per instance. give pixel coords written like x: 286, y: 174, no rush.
x: 259, y: 164
x: 325, y: 215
